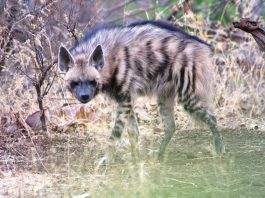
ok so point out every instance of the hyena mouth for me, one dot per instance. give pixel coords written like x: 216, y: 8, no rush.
x: 84, y: 99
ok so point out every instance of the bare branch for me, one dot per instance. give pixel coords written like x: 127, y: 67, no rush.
x: 167, y: 3
x: 36, y: 12
x: 107, y: 12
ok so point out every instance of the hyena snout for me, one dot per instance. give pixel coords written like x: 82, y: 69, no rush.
x: 84, y: 98
x: 84, y: 94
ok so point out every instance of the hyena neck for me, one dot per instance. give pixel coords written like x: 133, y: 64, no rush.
x: 113, y: 90
x: 112, y: 82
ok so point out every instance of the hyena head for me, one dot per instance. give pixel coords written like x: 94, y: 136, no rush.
x: 82, y: 72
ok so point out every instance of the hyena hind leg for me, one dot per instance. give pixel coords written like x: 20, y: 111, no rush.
x: 166, y: 110
x: 203, y: 114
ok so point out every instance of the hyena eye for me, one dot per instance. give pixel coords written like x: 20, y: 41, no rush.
x: 73, y: 84
x: 93, y: 82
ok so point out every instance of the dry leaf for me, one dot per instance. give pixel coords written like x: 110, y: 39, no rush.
x: 86, y: 114
x: 73, y: 126
x: 79, y: 112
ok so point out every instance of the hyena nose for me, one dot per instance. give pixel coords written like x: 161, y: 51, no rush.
x: 84, y: 98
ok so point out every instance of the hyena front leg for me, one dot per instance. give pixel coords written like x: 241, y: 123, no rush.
x: 125, y: 116
x: 119, y: 123
x: 116, y: 133
x: 200, y: 112
x: 133, y: 132
x: 166, y: 110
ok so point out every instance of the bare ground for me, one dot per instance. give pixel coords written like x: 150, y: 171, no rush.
x: 66, y: 166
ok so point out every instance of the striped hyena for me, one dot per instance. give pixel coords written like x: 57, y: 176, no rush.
x: 144, y: 58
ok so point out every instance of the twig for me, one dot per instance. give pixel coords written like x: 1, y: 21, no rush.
x: 29, y: 131
x: 29, y: 77
x: 36, y: 12
x: 107, y: 12
x: 184, y: 182
x: 175, y: 9
x: 141, y: 11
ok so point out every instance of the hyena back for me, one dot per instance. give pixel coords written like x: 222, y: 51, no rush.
x: 145, y: 58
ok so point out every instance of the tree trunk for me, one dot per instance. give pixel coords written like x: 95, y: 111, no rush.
x: 42, y: 111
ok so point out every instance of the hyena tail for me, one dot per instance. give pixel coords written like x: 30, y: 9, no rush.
x: 198, y: 102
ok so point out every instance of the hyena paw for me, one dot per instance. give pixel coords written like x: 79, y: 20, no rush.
x: 156, y: 154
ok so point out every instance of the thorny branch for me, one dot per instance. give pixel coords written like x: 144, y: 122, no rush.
x: 36, y: 12
x: 165, y: 4
x: 253, y: 28
x: 107, y: 12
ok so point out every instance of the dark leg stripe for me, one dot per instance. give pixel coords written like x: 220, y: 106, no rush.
x: 190, y: 103
x: 192, y: 110
x: 188, y: 97
x: 118, y: 128
x: 193, y: 102
x: 128, y: 111
x: 213, y: 119
x: 201, y: 113
x: 118, y: 123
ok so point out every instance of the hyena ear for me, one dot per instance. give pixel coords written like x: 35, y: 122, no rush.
x: 96, y: 59
x: 65, y: 59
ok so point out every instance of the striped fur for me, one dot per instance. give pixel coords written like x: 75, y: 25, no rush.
x: 144, y: 58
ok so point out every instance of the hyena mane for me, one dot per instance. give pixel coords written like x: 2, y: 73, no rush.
x: 143, y: 58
